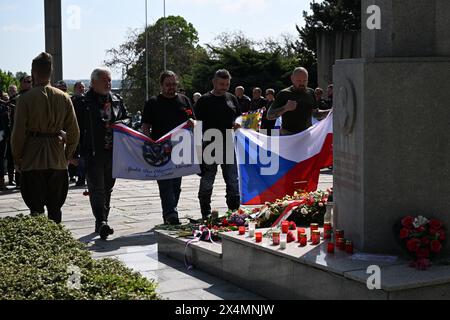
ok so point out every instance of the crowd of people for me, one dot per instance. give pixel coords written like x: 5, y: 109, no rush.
x: 50, y: 138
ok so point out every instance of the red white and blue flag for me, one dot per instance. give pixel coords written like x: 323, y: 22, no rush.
x: 299, y: 159
x: 137, y: 157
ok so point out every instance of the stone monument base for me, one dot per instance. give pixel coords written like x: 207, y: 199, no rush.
x: 306, y: 273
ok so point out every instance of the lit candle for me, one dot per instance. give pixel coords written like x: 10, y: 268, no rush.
x: 241, y: 231
x: 276, y: 238
x: 285, y: 227
x: 349, y: 247
x: 303, y: 239
x: 300, y: 231
x: 327, y: 230
x: 313, y: 227
x: 258, y: 236
x: 315, y: 237
x: 283, y: 241
x: 341, y: 244
x: 339, y: 234
x: 330, y: 248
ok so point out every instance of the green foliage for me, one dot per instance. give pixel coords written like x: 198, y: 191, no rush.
x: 130, y: 57
x: 248, y: 66
x: 7, y: 79
x: 35, y: 255
x: 328, y: 15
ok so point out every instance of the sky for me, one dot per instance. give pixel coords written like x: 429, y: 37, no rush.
x: 90, y: 27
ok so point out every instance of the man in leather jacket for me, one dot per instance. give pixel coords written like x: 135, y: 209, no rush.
x: 100, y: 110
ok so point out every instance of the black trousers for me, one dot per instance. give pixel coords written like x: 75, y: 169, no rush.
x: 100, y: 185
x: 45, y: 188
x: 3, y: 146
x: 10, y: 161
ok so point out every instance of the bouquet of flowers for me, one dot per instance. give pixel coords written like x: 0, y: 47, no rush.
x: 310, y: 209
x: 422, y: 238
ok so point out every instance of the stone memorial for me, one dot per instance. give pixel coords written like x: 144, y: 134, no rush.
x: 392, y: 122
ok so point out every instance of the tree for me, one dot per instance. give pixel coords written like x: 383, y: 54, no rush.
x: 249, y: 66
x: 7, y: 79
x: 328, y: 15
x: 130, y: 57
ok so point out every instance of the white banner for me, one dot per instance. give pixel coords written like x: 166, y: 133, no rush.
x: 137, y: 157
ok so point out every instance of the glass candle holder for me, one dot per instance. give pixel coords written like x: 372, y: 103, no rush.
x: 258, y: 237
x: 303, y: 239
x: 327, y: 231
x: 313, y: 227
x: 315, y: 238
x: 251, y: 229
x: 349, y: 247
x: 276, y: 238
x: 330, y: 247
x: 241, y: 231
x: 340, y: 243
x: 300, y: 231
x: 339, y: 234
x: 283, y: 241
x: 285, y: 227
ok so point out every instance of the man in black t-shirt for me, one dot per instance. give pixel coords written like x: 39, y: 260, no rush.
x: 244, y: 101
x: 295, y: 104
x: 266, y: 124
x: 218, y: 110
x: 162, y: 114
x: 258, y: 101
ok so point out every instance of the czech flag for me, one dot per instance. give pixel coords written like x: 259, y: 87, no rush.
x: 272, y: 167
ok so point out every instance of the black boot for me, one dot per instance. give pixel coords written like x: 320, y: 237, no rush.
x: 105, y: 230
x: 205, y: 207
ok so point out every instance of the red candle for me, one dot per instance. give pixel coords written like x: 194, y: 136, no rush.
x: 313, y: 227
x: 327, y: 230
x: 276, y: 238
x: 258, y: 236
x: 339, y: 234
x: 285, y: 227
x: 315, y: 237
x: 349, y: 247
x: 341, y: 244
x: 241, y: 231
x: 303, y: 239
x: 330, y: 248
x: 300, y: 231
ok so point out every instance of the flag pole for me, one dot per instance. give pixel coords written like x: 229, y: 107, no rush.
x: 165, y: 42
x: 146, y: 50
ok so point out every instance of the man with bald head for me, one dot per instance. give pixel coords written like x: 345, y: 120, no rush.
x: 244, y: 101
x: 294, y: 104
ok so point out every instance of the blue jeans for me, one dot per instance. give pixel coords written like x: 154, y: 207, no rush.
x: 230, y: 175
x: 169, y: 192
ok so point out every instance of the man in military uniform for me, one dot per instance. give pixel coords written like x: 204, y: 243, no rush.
x: 38, y: 142
x: 100, y: 110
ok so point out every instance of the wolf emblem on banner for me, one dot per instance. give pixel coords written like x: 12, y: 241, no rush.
x: 157, y: 154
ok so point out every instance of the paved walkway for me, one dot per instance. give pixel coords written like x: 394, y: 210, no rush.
x: 136, y: 210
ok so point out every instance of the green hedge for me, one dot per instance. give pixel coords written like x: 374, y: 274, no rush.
x: 35, y: 255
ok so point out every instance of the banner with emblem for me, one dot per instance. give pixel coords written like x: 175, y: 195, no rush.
x: 137, y: 157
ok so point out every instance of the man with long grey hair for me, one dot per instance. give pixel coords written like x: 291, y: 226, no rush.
x: 100, y: 110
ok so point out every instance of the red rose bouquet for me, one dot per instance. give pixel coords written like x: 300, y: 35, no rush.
x: 422, y: 238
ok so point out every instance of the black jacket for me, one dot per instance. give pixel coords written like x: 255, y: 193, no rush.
x: 92, y: 127
x: 4, y: 120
